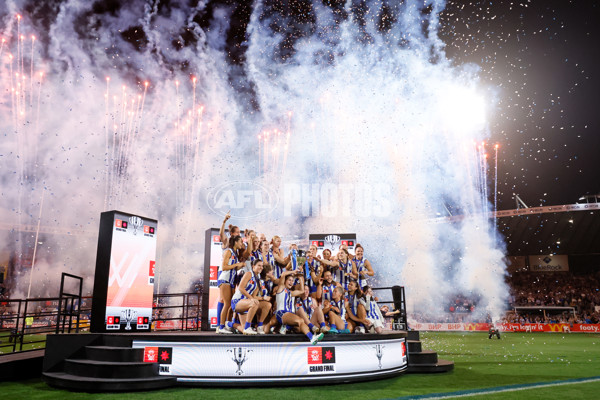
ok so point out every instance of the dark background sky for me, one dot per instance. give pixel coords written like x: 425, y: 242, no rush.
x: 540, y: 60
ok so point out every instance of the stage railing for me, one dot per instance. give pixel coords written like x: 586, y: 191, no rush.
x: 184, y: 315
x: 397, y: 305
x: 24, y: 323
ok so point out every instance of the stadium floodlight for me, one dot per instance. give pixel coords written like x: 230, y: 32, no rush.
x: 462, y: 109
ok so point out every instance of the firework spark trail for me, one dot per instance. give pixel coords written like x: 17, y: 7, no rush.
x: 106, y: 146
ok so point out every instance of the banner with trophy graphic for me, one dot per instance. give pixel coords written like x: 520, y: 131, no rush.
x: 124, y: 280
x: 271, y: 360
x: 332, y: 242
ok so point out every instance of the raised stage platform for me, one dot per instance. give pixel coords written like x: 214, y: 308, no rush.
x: 141, y: 361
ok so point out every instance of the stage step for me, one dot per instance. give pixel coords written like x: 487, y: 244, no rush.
x: 414, y: 346
x: 114, y: 353
x: 109, y: 369
x: 89, y: 384
x: 424, y: 361
x: 423, y: 357
x: 413, y: 335
x: 440, y: 366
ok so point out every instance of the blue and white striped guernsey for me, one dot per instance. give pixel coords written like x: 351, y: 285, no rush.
x: 229, y: 275
x: 250, y: 288
x: 285, y: 301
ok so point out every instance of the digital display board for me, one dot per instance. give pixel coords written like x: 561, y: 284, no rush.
x: 287, y: 361
x: 332, y: 241
x: 213, y: 257
x: 125, y: 270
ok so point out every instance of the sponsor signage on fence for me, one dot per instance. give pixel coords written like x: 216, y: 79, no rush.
x: 549, y: 263
x: 505, y: 327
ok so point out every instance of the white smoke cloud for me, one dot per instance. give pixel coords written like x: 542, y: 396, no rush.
x: 362, y: 107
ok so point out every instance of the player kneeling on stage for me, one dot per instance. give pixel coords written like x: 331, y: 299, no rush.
x: 246, y: 300
x: 308, y: 309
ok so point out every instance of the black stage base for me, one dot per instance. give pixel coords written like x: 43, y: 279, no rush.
x: 143, y: 361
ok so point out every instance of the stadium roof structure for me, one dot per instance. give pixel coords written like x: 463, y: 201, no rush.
x: 566, y: 229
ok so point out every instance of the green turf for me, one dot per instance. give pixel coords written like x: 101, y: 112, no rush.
x: 480, y: 363
x: 39, y: 342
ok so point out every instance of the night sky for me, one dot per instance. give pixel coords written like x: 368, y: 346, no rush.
x: 540, y: 62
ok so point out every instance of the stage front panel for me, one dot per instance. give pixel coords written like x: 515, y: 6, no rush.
x: 275, y: 361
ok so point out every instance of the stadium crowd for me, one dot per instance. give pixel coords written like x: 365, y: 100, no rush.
x: 549, y: 297
x: 555, y: 289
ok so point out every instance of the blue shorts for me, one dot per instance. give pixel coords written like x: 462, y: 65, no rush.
x: 279, y: 314
x: 233, y: 304
x: 221, y: 282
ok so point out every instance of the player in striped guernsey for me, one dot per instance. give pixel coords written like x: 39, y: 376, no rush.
x: 261, y: 252
x: 325, y: 292
x: 227, y: 271
x: 312, y: 271
x: 336, y: 312
x: 343, y: 269
x: 363, y: 267
x: 310, y: 312
x: 285, y: 313
x: 355, y: 310
x: 373, y: 312
x: 279, y: 261
x: 267, y: 284
x: 245, y: 301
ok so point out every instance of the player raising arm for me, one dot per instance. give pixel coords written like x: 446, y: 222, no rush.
x: 227, y: 272
x: 285, y: 307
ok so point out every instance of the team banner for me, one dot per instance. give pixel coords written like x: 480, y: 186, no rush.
x: 250, y: 361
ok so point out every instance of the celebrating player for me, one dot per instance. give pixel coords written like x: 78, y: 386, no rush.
x: 285, y: 307
x: 247, y: 296
x: 373, y: 312
x: 363, y: 267
x: 310, y: 312
x: 225, y: 283
x: 336, y: 312
x: 344, y: 269
x: 355, y: 310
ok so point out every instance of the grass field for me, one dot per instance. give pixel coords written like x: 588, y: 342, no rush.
x: 519, y: 366
x: 30, y: 342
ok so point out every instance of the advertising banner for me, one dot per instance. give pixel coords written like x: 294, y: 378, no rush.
x: 549, y: 263
x: 505, y: 327
x: 250, y: 361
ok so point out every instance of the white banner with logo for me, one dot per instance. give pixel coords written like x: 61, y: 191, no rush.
x: 255, y: 361
x: 549, y: 263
